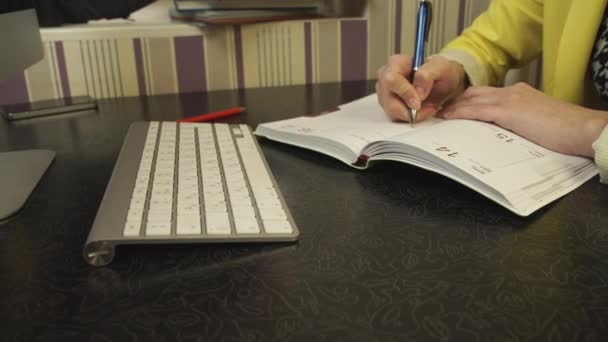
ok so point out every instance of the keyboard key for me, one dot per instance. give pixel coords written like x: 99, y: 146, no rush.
x: 246, y: 225
x: 188, y: 225
x: 158, y: 229
x: 245, y: 210
x: 132, y: 228
x: 218, y: 223
x: 273, y: 214
x: 277, y: 227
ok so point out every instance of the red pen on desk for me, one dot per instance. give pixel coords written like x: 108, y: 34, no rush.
x: 214, y: 115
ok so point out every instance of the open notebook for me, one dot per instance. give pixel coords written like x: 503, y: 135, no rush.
x: 504, y: 167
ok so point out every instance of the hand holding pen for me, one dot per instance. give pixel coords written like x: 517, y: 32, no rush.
x: 407, y: 83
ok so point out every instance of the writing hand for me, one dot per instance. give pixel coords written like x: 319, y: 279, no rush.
x: 557, y: 125
x: 436, y: 82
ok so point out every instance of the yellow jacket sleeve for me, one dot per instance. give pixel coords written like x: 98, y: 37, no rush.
x: 509, y: 34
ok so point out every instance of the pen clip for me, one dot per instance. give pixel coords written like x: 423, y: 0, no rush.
x: 429, y: 19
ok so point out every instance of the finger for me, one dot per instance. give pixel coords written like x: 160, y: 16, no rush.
x: 475, y: 95
x: 481, y: 112
x: 394, y: 76
x: 378, y: 92
x: 426, y: 76
x: 395, y: 108
x: 381, y: 70
x: 401, y: 87
x: 478, y: 91
x: 487, y: 98
x: 427, y: 110
x: 392, y: 104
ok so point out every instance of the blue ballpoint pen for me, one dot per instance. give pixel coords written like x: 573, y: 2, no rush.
x: 423, y: 25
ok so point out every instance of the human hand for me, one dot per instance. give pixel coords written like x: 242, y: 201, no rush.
x: 557, y: 125
x: 436, y: 82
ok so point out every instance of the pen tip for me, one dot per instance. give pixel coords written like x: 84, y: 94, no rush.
x: 413, y: 113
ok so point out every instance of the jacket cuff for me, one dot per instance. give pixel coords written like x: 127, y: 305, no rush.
x: 473, y: 68
x: 600, y: 146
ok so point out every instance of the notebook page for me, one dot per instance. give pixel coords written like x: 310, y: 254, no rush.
x: 355, y: 125
x: 516, y: 167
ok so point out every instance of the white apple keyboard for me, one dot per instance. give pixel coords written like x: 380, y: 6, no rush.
x: 189, y: 183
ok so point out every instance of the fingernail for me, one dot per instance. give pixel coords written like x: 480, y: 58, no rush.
x: 413, y: 103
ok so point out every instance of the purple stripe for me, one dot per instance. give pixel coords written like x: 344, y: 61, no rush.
x: 398, y: 15
x: 63, y: 70
x: 190, y: 60
x: 308, y: 51
x: 354, y: 50
x: 461, y: 10
x: 139, y: 65
x: 238, y: 47
x: 14, y: 90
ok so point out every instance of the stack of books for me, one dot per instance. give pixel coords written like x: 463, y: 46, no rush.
x: 215, y: 12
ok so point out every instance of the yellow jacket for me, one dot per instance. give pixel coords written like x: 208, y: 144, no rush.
x: 512, y: 33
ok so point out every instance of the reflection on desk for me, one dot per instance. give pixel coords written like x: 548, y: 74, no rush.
x: 390, y: 254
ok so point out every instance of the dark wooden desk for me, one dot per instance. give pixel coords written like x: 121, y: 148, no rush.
x: 389, y: 254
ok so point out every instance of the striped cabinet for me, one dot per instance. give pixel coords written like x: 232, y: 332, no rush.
x: 135, y: 63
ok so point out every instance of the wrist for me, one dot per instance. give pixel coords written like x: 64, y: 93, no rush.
x: 592, y: 129
x: 463, y: 78
x: 475, y: 69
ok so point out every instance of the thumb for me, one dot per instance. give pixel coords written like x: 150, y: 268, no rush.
x: 425, y: 77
